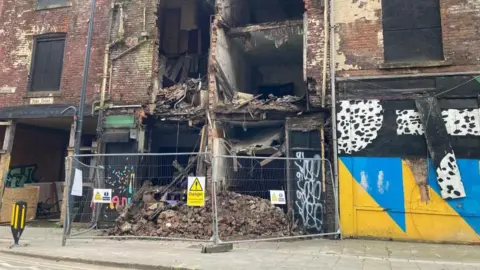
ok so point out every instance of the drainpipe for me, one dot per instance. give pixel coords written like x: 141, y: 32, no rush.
x: 324, y: 89
x: 106, y: 57
x: 78, y: 136
x: 334, y: 106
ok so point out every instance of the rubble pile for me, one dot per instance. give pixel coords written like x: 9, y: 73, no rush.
x: 271, y: 101
x: 179, y: 97
x: 243, y: 216
x: 239, y: 216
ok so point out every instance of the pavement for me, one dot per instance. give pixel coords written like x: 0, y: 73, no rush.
x: 14, y: 262
x: 44, y: 244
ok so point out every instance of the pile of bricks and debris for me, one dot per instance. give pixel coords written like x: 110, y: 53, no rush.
x: 239, y: 216
x: 182, y: 97
x: 264, y: 102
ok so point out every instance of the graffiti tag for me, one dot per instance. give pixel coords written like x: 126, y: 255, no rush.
x: 122, y: 183
x: 20, y: 175
x: 309, y: 191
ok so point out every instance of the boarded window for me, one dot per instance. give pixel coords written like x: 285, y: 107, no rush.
x: 47, y: 63
x: 50, y: 3
x: 412, y: 30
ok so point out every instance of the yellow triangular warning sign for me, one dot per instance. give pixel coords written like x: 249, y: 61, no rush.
x: 196, y: 186
x: 98, y: 197
x: 274, y: 197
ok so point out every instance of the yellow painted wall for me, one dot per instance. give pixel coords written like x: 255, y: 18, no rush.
x: 383, y: 205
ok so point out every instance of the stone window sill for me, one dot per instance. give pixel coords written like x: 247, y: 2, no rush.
x: 419, y: 64
x: 42, y: 94
x: 38, y: 8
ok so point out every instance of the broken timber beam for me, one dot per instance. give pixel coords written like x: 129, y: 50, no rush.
x: 440, y: 149
x: 242, y: 31
x: 266, y: 161
x: 247, y: 102
x: 5, y: 156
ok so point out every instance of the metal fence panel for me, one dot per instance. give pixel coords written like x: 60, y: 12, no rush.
x: 246, y: 199
x: 148, y: 200
x: 265, y: 198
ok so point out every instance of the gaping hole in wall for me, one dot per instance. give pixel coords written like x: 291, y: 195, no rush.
x: 171, y: 138
x: 249, y: 171
x: 184, y: 32
x: 262, y: 63
x: 240, y: 13
x: 37, y: 169
x: 168, y: 166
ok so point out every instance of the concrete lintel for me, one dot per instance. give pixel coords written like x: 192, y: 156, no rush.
x: 242, y: 31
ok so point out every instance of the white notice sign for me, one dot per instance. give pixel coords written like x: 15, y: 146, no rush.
x: 40, y: 101
x: 102, y: 195
x: 77, y: 187
x: 277, y: 197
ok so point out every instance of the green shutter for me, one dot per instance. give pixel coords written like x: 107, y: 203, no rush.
x: 120, y: 121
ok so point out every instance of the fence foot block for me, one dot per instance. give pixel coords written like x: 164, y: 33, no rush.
x: 220, y: 248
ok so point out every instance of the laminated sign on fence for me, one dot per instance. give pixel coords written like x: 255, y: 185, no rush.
x: 102, y: 195
x: 196, y: 191
x: 277, y: 197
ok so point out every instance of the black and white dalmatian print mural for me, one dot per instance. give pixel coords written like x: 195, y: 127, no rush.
x: 359, y: 121
x: 449, y: 179
x: 458, y: 122
x: 358, y: 124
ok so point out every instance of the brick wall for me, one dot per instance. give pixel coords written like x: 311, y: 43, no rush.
x: 315, y: 39
x: 133, y: 73
x: 20, y: 23
x: 359, y: 37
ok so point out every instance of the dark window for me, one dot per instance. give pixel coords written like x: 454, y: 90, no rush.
x: 47, y: 63
x: 412, y: 30
x: 47, y: 3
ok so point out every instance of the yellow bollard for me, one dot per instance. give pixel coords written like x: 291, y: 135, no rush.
x: 17, y: 221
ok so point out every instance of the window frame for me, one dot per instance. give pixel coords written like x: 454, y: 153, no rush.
x: 45, y: 37
x: 412, y: 58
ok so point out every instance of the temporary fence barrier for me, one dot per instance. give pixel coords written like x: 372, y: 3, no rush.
x: 274, y: 198
x: 169, y: 196
x: 140, y: 196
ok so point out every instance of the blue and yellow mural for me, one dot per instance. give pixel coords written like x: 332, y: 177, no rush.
x: 379, y: 197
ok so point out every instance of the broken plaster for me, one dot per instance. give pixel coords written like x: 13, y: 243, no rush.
x: 467, y: 6
x: 22, y: 55
x: 348, y: 13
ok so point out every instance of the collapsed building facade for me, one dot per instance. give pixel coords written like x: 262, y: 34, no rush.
x: 231, y: 78
x: 254, y: 81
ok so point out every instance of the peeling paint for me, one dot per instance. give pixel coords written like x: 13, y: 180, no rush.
x: 22, y: 55
x: 380, y: 39
x: 348, y: 12
x: 340, y: 59
x: 468, y: 6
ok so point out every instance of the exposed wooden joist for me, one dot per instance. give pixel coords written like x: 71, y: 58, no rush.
x: 242, y: 31
x: 68, y: 174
